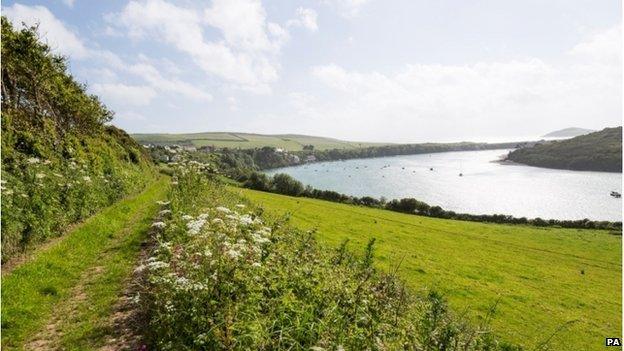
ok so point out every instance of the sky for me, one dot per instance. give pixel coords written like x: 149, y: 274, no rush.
x: 364, y: 70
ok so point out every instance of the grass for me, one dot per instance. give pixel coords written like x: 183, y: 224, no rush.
x: 289, y: 142
x: 543, y: 281
x: 71, y: 286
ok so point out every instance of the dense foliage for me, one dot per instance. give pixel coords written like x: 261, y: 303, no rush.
x: 221, y: 278
x: 599, y: 151
x: 405, y: 149
x: 287, y: 185
x: 60, y: 162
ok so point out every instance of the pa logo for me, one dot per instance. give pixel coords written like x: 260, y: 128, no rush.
x: 613, y: 342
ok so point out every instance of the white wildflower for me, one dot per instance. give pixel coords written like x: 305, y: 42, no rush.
x: 40, y: 175
x: 241, y: 206
x: 233, y: 254
x: 157, y: 265
x: 163, y: 203
x: 223, y: 209
x: 86, y: 178
x: 159, y: 225
x: 217, y: 221
x: 195, y: 226
x: 246, y: 219
x: 187, y: 217
x: 164, y: 212
x: 32, y: 160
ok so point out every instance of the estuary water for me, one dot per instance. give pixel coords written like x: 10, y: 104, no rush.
x: 485, y: 187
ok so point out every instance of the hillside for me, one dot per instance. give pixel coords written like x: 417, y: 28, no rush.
x: 288, y: 142
x: 568, y: 133
x: 542, y: 278
x: 61, y: 162
x: 598, y: 151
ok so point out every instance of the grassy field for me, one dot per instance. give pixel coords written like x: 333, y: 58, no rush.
x: 544, y: 281
x: 63, y: 297
x: 289, y: 142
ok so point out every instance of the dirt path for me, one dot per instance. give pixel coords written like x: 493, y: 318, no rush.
x: 77, y: 293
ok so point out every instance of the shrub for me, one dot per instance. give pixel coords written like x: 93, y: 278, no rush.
x: 287, y: 185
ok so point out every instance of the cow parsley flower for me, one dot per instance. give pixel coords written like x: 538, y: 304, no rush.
x: 159, y: 225
x: 223, y: 209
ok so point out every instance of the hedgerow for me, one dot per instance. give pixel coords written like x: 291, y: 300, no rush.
x: 60, y: 161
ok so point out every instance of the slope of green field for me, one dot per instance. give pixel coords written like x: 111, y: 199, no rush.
x: 545, y: 281
x: 289, y: 142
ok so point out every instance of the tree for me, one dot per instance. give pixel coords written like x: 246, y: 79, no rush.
x: 287, y: 185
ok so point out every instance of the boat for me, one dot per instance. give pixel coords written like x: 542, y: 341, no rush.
x: 616, y: 195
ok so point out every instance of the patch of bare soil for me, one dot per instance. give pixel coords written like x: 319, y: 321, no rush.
x: 127, y: 321
x: 50, y: 336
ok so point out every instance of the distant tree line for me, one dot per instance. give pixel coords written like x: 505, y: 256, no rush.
x: 402, y: 149
x: 240, y: 163
x: 287, y: 185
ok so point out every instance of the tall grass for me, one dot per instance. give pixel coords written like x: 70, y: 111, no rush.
x: 220, y: 278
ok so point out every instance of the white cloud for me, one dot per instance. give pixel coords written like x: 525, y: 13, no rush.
x: 173, y: 85
x: 124, y: 95
x: 245, y: 56
x: 53, y: 31
x: 511, y: 96
x: 69, y: 3
x: 305, y: 18
x: 346, y: 8
x: 602, y: 46
x: 242, y: 23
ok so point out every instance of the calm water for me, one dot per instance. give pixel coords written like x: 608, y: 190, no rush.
x: 486, y: 187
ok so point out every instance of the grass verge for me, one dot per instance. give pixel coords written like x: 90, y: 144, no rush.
x: 82, y: 275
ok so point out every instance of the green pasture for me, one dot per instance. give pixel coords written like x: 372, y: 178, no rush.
x: 562, y: 285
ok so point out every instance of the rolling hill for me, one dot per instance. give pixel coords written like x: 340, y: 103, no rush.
x: 598, y: 151
x: 289, y: 142
x: 568, y: 133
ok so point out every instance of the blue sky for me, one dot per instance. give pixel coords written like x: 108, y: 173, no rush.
x: 370, y: 70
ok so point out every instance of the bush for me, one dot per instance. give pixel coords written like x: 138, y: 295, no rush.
x: 258, y: 181
x: 287, y: 185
